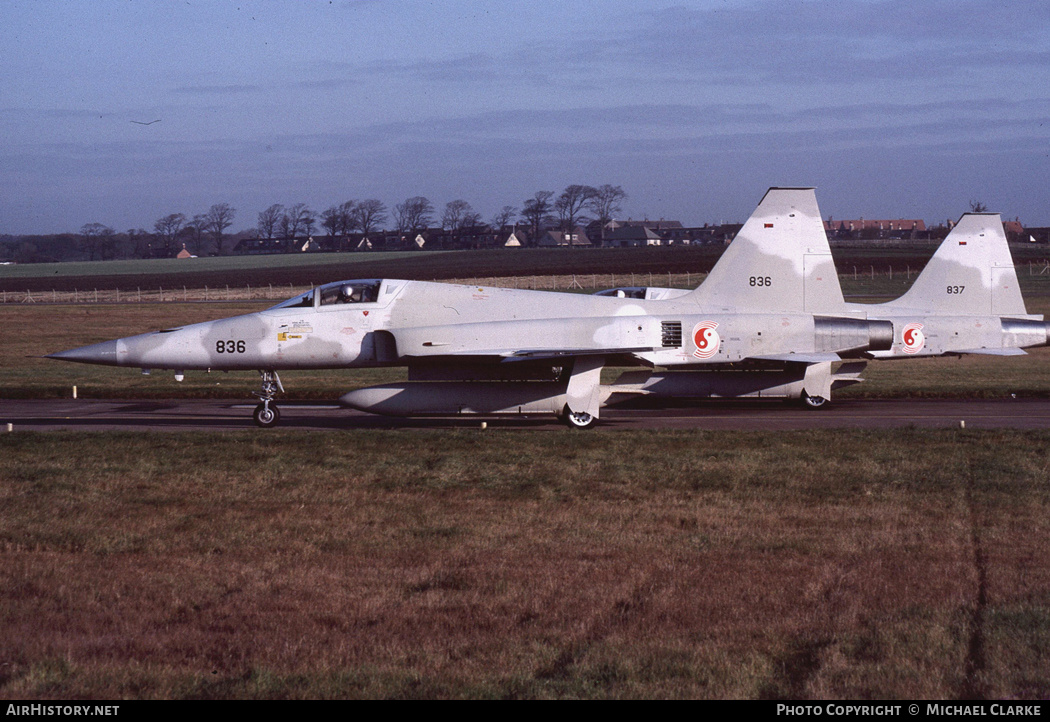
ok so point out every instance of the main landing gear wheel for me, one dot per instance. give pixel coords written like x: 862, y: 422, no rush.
x: 266, y: 416
x: 813, y: 402
x: 578, y: 419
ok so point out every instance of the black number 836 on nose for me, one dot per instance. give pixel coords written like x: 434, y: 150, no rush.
x: 229, y: 346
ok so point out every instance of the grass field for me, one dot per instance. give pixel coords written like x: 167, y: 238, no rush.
x: 281, y: 270
x: 658, y: 259
x: 831, y: 565
x: 182, y: 267
x: 522, y: 564
x: 865, y: 271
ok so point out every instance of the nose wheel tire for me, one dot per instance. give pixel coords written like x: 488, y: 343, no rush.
x: 813, y: 402
x: 266, y: 416
x: 578, y: 419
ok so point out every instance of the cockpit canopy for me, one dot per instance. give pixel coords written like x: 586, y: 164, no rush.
x: 648, y: 293
x: 624, y: 292
x: 357, y: 291
x: 350, y: 292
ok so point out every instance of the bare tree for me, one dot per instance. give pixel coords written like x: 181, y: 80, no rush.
x: 330, y: 221
x: 27, y: 252
x: 605, y: 204
x: 347, y: 217
x: 333, y: 220
x: 504, y: 217
x: 369, y: 215
x: 977, y: 207
x: 457, y: 215
x: 414, y: 214
x: 537, y: 212
x: 196, y: 230
x: 309, y: 220
x: 135, y: 243
x: 168, y: 229
x: 297, y: 220
x: 218, y: 219
x: 570, y: 205
x: 285, y: 225
x: 127, y: 242
x: 98, y: 240
x: 270, y: 220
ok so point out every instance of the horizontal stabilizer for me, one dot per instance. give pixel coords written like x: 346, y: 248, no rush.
x: 848, y: 374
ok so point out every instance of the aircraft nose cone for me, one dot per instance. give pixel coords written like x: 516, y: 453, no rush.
x: 100, y: 353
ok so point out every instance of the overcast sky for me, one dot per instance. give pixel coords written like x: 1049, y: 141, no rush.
x: 892, y: 108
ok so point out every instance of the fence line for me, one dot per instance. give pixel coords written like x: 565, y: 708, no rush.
x: 271, y: 292
x: 566, y: 282
x: 180, y: 294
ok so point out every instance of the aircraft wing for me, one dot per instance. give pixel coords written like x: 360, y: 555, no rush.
x: 799, y: 358
x: 562, y: 353
x: 531, y: 339
x: 511, y: 355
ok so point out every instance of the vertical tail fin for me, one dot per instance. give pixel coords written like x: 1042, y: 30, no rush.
x: 780, y: 260
x: 972, y: 273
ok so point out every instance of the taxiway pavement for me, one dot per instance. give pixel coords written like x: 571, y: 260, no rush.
x: 218, y: 415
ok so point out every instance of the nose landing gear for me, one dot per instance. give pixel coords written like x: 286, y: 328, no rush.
x: 267, y: 414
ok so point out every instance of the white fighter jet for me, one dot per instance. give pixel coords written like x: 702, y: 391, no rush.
x: 769, y: 321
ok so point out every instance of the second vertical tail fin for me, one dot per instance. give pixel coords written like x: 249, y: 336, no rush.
x: 972, y: 273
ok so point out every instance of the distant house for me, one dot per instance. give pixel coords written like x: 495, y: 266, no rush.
x: 721, y: 234
x: 516, y: 239
x: 436, y: 239
x: 660, y: 225
x: 480, y: 236
x: 871, y: 229
x: 632, y: 236
x: 363, y: 241
x: 564, y: 239
x: 259, y: 246
x: 668, y: 232
x: 1038, y: 235
x: 1015, y: 232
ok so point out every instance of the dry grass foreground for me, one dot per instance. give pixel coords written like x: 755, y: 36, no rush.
x: 512, y: 564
